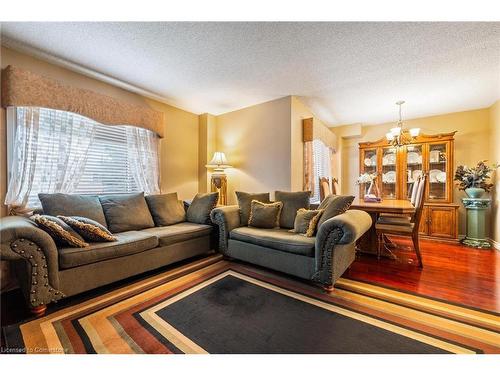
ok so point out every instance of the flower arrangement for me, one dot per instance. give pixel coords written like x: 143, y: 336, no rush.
x: 366, y: 178
x: 476, y: 177
x: 372, y: 193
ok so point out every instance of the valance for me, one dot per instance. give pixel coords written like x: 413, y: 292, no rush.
x: 22, y: 88
x: 312, y: 129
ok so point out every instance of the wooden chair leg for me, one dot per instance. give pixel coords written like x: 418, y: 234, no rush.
x: 380, y: 237
x: 416, y: 245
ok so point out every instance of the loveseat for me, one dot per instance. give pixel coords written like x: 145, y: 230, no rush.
x: 322, y: 258
x: 48, y: 272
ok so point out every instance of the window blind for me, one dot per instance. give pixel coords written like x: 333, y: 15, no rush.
x: 107, y: 167
x: 321, y: 166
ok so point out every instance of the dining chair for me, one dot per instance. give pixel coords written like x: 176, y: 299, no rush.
x: 408, y: 229
x: 324, y: 188
x: 334, y: 185
x: 388, y: 218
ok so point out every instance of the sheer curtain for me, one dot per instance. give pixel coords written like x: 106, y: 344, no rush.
x: 49, y: 157
x: 143, y: 158
x: 23, y: 159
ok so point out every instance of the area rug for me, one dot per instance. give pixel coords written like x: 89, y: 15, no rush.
x: 216, y: 306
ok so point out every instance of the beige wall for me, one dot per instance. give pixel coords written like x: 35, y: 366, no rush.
x: 179, y: 148
x: 495, y: 158
x: 471, y: 143
x: 206, y: 149
x: 257, y: 142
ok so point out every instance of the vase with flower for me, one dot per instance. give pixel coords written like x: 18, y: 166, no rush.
x: 372, y: 193
x: 474, y: 181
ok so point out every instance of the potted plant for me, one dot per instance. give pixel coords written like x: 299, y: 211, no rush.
x: 474, y: 181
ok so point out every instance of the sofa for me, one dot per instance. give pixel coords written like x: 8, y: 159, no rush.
x: 48, y: 272
x: 322, y: 258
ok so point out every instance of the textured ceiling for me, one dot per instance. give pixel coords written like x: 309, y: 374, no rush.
x: 345, y: 72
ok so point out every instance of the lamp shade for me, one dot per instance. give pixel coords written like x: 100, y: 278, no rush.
x: 218, y: 162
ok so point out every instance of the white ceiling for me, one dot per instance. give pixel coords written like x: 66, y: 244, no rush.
x: 346, y: 72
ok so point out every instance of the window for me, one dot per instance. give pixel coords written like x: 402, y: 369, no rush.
x: 74, y: 154
x: 321, y: 165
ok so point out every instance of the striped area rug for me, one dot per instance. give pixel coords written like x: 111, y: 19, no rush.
x: 216, y: 306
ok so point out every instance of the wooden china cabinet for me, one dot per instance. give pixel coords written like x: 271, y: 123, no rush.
x: 397, y: 168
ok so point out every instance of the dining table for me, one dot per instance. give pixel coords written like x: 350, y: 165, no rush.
x: 368, y: 243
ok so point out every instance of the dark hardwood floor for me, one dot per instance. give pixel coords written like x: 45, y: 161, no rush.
x: 451, y: 272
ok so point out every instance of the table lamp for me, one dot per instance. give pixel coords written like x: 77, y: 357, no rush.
x: 218, y: 180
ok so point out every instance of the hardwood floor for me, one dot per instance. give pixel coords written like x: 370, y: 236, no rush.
x: 451, y: 272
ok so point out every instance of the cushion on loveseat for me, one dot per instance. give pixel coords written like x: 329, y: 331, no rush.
x: 278, y: 239
x: 334, y: 205
x: 126, y: 212
x: 128, y: 243
x: 245, y: 201
x: 292, y: 202
x: 87, y: 206
x: 179, y: 232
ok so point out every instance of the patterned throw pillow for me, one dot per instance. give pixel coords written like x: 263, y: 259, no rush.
x: 306, y: 222
x: 89, y: 229
x: 265, y: 215
x: 62, y: 234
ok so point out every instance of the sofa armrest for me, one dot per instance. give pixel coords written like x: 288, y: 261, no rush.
x: 226, y: 218
x: 344, y: 229
x: 22, y: 241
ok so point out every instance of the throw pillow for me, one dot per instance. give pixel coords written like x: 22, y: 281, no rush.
x: 89, y: 229
x: 292, y: 202
x: 336, y: 205
x: 166, y: 209
x: 126, y: 212
x: 73, y: 205
x: 200, y: 208
x: 62, y: 234
x: 306, y: 222
x: 265, y: 215
x: 245, y: 201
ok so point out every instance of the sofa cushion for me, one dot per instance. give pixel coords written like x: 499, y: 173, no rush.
x: 244, y: 202
x: 61, y: 233
x: 334, y: 205
x: 131, y: 242
x: 292, y: 202
x: 265, y: 215
x: 126, y: 212
x: 179, y: 232
x: 89, y: 229
x: 73, y: 205
x: 278, y: 239
x: 166, y: 209
x: 306, y: 222
x: 200, y: 208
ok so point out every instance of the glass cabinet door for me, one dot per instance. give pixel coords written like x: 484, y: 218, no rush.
x: 389, y: 173
x: 368, y: 165
x: 438, y: 169
x: 414, y: 168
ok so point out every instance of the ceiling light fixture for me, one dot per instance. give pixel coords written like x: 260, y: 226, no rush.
x: 398, y: 136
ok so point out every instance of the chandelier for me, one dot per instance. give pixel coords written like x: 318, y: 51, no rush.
x: 398, y: 136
